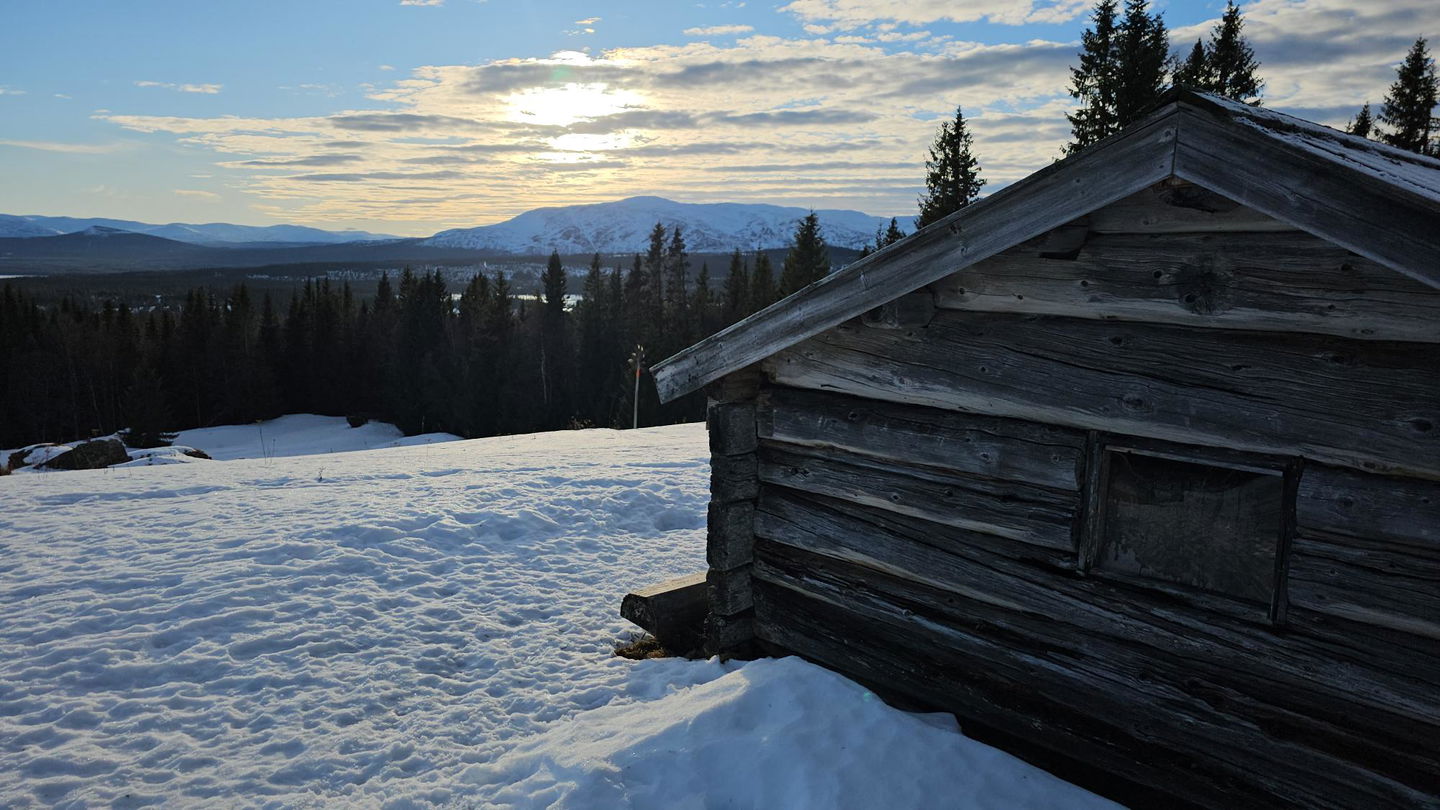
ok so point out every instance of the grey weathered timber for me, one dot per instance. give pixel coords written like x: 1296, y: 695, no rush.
x: 1371, y: 405
x: 734, y: 485
x: 973, y: 674
x: 1398, y: 510
x: 1369, y: 549
x: 732, y: 478
x: 1326, y: 184
x: 1369, y: 583
x: 1008, y: 508
x: 987, y: 446
x: 909, y: 311
x: 732, y: 428
x: 1129, y: 162
x: 672, y: 611
x: 1179, y: 622
x: 1136, y: 667
x: 1177, y: 207
x: 729, y: 590
x: 730, y: 533
x: 1287, y: 281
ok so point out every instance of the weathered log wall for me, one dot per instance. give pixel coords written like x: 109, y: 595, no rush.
x: 1371, y: 405
x: 734, y: 486
x: 918, y: 548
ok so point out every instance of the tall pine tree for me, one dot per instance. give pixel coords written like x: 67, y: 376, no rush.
x: 952, y: 174
x: 808, y: 260
x: 1232, y: 62
x: 1410, y: 104
x: 1122, y: 71
x: 762, y: 283
x: 1362, y: 123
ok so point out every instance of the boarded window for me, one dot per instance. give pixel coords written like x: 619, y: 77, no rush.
x: 1192, y: 519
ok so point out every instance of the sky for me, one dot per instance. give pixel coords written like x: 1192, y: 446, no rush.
x: 411, y: 116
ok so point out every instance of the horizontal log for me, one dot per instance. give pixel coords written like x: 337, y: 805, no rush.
x: 1168, y: 208
x: 733, y: 478
x: 1007, y: 449
x: 729, y: 534
x: 1194, y: 738
x: 1399, y: 510
x: 731, y: 426
x: 1370, y: 583
x: 1011, y: 509
x: 673, y: 611
x: 1371, y: 405
x: 729, y: 590
x: 1203, y: 629
x: 730, y: 636
x: 1288, y: 281
x: 947, y: 679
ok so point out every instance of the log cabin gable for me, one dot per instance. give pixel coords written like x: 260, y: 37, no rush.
x: 1377, y: 202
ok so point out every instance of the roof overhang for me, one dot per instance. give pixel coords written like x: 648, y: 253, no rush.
x: 1379, y: 202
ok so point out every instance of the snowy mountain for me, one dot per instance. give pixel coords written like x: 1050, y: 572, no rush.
x: 212, y: 234
x: 624, y: 226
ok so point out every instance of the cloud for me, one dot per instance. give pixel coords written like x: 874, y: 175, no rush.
x: 717, y: 30
x: 70, y: 148
x: 197, y: 194
x: 387, y: 67
x: 10, y: 91
x: 588, y: 21
x: 422, y: 2
x: 208, y: 89
x: 843, y: 118
x: 827, y: 16
x: 308, y: 160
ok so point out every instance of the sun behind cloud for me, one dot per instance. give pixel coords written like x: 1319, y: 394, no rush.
x: 569, y: 103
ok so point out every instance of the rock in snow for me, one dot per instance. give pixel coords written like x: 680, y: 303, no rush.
x: 419, y: 627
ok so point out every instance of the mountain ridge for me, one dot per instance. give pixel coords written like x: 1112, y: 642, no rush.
x: 623, y: 226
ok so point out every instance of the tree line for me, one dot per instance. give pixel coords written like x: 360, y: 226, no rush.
x: 479, y: 361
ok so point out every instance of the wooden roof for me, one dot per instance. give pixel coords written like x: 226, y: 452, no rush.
x: 1380, y: 202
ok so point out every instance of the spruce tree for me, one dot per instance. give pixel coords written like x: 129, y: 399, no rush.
x: 1194, y: 72
x: 762, y: 283
x: 952, y: 175
x: 808, y: 260
x: 678, y: 327
x: 1362, y: 123
x: 554, y: 346
x: 1143, y: 59
x: 737, y: 289
x: 1122, y: 71
x: 655, y: 283
x: 1093, y: 82
x: 893, y: 233
x: 1411, y: 102
x: 1232, y: 63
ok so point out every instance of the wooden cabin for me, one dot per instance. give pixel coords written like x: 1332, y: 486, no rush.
x: 1135, y: 462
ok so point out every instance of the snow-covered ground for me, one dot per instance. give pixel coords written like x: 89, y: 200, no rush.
x: 302, y: 434
x: 417, y: 627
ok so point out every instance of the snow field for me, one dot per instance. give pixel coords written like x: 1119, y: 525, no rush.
x: 418, y: 627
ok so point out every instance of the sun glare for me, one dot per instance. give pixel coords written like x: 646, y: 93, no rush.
x: 568, y: 103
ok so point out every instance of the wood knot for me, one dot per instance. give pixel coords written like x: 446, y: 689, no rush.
x: 1422, y: 425
x: 1133, y: 402
x: 1205, y: 289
